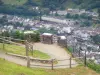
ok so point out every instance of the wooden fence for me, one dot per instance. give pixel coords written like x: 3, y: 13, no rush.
x: 53, y: 65
x: 45, y: 63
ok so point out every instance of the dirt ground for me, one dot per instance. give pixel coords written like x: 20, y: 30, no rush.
x: 56, y: 52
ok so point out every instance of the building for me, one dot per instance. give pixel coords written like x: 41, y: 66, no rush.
x: 73, y: 11
x: 62, y: 41
x: 46, y: 38
x: 62, y: 12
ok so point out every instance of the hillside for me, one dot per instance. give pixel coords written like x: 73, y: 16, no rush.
x: 14, y: 2
x: 87, y: 4
x: 8, y: 68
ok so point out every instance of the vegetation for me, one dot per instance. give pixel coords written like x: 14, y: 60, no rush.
x: 87, y: 4
x: 99, y: 12
x: 95, y: 67
x: 77, y: 16
x: 96, y: 39
x: 1, y: 2
x: 3, y: 20
x: 21, y: 51
x: 17, y: 7
x: 8, y: 68
x: 44, y: 30
x: 20, y: 35
x: 70, y: 49
x: 14, y: 2
x: 18, y: 10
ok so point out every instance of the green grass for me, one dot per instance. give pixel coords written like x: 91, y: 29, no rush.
x: 69, y: 50
x: 70, y: 4
x: 92, y: 65
x: 15, y: 2
x: 21, y: 51
x: 8, y: 68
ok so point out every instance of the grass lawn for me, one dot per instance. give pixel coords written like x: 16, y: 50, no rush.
x: 21, y: 51
x: 15, y: 2
x: 8, y: 68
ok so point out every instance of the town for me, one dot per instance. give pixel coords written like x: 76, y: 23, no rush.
x: 77, y: 37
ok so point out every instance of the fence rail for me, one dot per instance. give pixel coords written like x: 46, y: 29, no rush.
x: 53, y: 65
x: 28, y: 47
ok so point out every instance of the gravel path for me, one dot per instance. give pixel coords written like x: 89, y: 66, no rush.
x: 13, y: 59
x: 56, y: 52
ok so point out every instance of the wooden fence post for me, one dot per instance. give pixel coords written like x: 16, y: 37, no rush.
x: 3, y: 45
x: 70, y: 62
x: 79, y: 53
x: 85, y: 60
x: 26, y: 45
x: 52, y: 64
x: 32, y: 50
x: 28, y: 61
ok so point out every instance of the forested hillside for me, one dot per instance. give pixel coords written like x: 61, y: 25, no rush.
x: 88, y: 4
x: 19, y: 7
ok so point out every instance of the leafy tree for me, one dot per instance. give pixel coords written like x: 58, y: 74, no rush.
x: 31, y: 2
x: 56, y: 14
x: 96, y: 39
x: 86, y: 23
x: 76, y: 16
x: 68, y: 15
x: 16, y: 34
x: 36, y: 37
x: 4, y: 20
x: 53, y: 4
x: 78, y: 1
x: 99, y: 12
x: 6, y: 34
x: 18, y: 10
x: 84, y: 16
x: 1, y: 3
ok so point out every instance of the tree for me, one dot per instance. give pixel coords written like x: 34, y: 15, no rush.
x: 1, y: 3
x: 6, y: 34
x: 83, y: 16
x: 99, y: 12
x: 31, y: 2
x: 53, y: 4
x: 4, y: 20
x: 86, y: 23
x: 56, y: 14
x: 78, y: 1
x: 76, y: 16
x: 96, y: 39
x: 16, y: 34
x: 68, y: 15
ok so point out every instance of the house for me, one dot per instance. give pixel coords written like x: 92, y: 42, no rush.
x: 62, y: 41
x: 59, y: 12
x: 46, y: 38
x: 67, y: 30
x: 73, y: 11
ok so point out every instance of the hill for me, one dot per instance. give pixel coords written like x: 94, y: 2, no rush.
x: 87, y: 4
x: 14, y: 2
x: 83, y: 4
x: 8, y: 68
